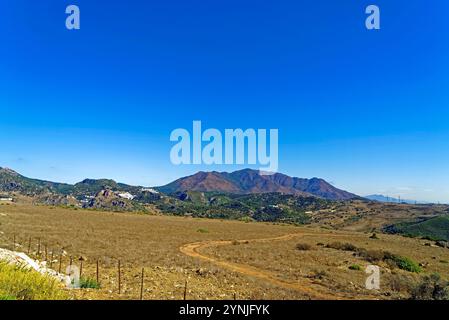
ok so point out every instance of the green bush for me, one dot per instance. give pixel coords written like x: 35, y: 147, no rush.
x: 202, y: 231
x: 355, y: 267
x: 20, y: 283
x: 406, y: 264
x: 89, y: 283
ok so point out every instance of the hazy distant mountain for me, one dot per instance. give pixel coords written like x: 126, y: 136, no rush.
x: 382, y: 198
x: 249, y: 181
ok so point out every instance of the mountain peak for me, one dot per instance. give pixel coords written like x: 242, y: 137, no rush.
x: 249, y: 181
x: 8, y: 171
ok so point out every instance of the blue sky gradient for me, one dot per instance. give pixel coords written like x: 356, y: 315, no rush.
x: 365, y: 110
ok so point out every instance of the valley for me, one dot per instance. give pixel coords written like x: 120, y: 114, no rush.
x: 273, y: 237
x: 218, y: 259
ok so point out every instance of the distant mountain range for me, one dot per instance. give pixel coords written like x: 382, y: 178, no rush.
x: 382, y: 198
x: 241, y: 182
x: 249, y: 181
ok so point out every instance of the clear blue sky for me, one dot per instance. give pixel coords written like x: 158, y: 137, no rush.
x: 365, y: 110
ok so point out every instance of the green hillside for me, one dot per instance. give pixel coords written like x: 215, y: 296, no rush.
x: 259, y: 207
x: 436, y: 228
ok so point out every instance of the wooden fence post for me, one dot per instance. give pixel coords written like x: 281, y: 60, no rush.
x: 119, y: 279
x: 141, y: 284
x: 60, y: 262
x: 98, y: 272
x: 38, y: 246
x: 185, y: 291
x: 29, y: 245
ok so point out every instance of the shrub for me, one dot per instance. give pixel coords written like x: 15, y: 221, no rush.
x: 89, y: 283
x: 401, y: 283
x: 431, y: 288
x: 372, y: 255
x: 406, y: 264
x: 303, y: 246
x: 202, y: 231
x: 355, y: 267
x: 342, y: 246
x: 20, y: 283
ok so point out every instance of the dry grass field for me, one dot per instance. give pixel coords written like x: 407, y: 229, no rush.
x: 218, y: 259
x: 365, y: 216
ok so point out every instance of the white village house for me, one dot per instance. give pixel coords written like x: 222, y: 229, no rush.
x: 126, y: 195
x: 150, y: 190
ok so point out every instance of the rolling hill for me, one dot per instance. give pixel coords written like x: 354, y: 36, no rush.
x: 11, y: 181
x: 435, y: 228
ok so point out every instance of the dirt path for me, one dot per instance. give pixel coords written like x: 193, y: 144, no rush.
x: 305, y: 286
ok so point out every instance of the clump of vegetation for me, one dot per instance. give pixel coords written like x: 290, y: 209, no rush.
x: 403, y: 263
x: 20, y: 283
x: 431, y: 288
x: 374, y: 236
x: 202, y: 230
x: 371, y: 255
x: 401, y: 283
x: 355, y: 267
x: 303, y: 247
x: 88, y: 283
x: 318, y: 274
x: 342, y: 246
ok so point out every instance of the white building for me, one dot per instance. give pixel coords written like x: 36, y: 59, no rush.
x: 150, y: 190
x: 126, y: 195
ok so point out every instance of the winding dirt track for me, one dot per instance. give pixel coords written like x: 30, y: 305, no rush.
x: 305, y: 286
